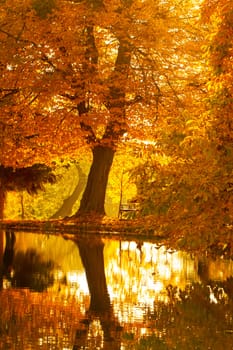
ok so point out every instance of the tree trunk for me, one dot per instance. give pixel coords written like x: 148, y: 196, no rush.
x: 94, y: 195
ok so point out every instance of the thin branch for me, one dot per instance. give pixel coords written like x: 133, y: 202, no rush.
x: 9, y: 93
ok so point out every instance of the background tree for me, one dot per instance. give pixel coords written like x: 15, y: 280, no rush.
x: 220, y: 52
x: 68, y: 203
x: 191, y: 188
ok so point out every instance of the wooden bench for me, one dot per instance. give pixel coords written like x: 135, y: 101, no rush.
x: 128, y: 210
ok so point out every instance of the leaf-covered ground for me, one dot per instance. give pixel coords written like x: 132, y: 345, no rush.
x: 121, y: 229
x: 87, y: 225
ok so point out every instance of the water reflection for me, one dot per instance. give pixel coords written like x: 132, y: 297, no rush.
x: 8, y: 255
x: 100, y: 309
x: 95, y: 294
x: 24, y: 269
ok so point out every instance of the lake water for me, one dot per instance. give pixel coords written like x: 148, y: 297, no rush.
x: 91, y: 293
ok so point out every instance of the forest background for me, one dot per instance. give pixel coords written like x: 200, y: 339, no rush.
x: 121, y: 100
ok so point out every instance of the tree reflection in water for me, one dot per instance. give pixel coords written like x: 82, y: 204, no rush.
x: 31, y: 271
x: 25, y: 269
x: 8, y: 255
x: 192, y: 319
x: 200, y: 316
x: 100, y: 309
x: 191, y: 311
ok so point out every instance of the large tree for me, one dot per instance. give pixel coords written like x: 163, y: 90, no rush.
x: 78, y: 73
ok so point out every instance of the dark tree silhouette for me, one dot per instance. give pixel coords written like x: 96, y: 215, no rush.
x: 32, y: 179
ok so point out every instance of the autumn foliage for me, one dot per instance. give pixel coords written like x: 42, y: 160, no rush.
x: 190, y: 193
x: 92, y: 75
